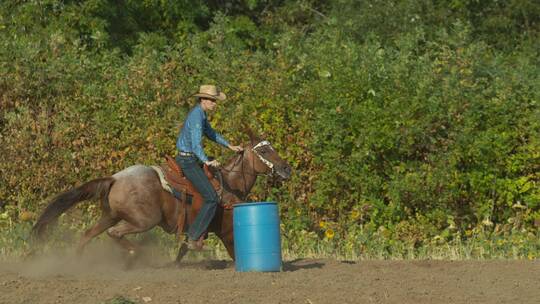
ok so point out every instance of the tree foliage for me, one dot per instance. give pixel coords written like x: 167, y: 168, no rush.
x: 420, y: 117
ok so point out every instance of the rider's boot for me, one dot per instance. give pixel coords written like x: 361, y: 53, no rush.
x: 198, y: 244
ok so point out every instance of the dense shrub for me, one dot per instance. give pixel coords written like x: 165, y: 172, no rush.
x: 408, y: 131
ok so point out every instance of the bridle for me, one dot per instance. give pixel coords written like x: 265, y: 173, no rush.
x: 243, y: 172
x: 268, y: 163
x: 264, y: 160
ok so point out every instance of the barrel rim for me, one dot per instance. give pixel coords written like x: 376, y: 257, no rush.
x: 254, y: 204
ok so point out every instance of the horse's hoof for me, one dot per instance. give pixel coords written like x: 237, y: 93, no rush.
x: 128, y: 265
x: 130, y: 261
x: 181, y: 253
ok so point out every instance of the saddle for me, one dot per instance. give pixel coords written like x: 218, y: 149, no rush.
x: 175, y: 178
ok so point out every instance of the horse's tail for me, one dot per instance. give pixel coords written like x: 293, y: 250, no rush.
x: 97, y: 188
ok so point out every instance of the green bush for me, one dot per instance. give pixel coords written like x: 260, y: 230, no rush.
x: 403, y: 134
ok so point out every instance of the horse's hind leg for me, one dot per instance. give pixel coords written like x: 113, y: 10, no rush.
x: 118, y: 232
x: 105, y: 222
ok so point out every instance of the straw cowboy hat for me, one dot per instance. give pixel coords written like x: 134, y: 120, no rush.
x: 210, y: 91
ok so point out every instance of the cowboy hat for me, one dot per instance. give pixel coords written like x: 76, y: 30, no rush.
x: 211, y: 92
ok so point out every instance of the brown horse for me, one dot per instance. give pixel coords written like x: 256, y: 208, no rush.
x: 133, y: 200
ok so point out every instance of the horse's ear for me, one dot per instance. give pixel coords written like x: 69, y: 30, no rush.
x: 249, y: 132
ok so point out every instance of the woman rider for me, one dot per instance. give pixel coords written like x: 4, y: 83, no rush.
x: 190, y: 152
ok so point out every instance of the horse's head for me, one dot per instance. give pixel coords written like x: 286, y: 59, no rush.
x: 264, y: 158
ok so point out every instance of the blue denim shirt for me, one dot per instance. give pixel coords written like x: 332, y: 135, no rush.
x: 190, y: 137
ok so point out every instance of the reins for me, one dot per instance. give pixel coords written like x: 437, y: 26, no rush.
x: 243, y: 172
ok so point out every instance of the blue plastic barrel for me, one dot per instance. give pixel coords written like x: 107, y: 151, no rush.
x: 257, y: 241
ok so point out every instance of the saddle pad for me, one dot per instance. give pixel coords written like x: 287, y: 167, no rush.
x: 162, y: 179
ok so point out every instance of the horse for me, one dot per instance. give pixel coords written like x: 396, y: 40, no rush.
x: 134, y: 201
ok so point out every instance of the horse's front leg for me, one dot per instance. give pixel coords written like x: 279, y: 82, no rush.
x: 225, y: 231
x: 182, y: 250
x: 174, y: 218
x: 228, y: 241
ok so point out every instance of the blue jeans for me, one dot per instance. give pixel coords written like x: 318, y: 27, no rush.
x: 195, y: 174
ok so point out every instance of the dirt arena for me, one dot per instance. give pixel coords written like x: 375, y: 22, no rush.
x: 100, y: 279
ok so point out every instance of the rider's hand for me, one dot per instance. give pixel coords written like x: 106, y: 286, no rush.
x: 236, y: 148
x: 213, y: 163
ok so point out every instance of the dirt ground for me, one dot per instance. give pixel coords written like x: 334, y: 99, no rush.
x: 98, y: 278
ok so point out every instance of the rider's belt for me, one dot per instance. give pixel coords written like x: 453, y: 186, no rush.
x: 182, y: 153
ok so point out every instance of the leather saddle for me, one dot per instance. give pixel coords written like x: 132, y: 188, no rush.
x: 185, y: 190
